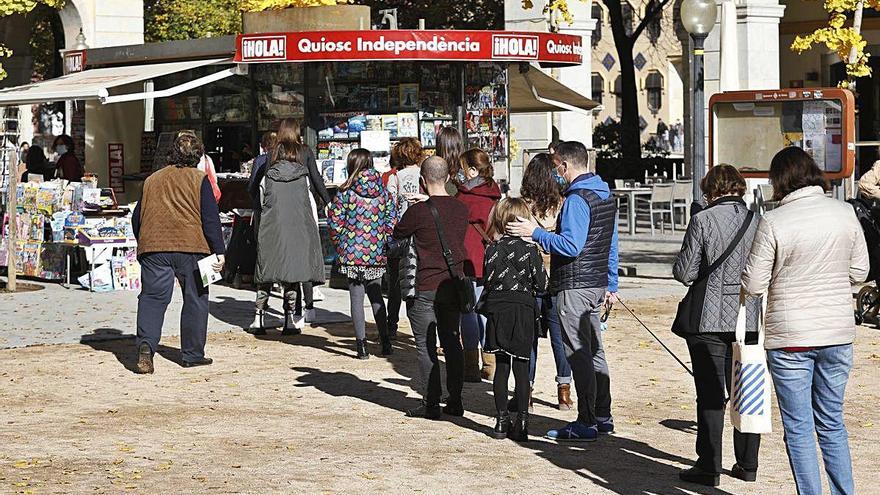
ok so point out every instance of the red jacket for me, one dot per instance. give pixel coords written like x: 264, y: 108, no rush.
x: 479, y: 197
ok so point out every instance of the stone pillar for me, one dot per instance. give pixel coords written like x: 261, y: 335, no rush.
x: 532, y: 131
x: 575, y: 126
x: 758, y: 40
x: 535, y: 131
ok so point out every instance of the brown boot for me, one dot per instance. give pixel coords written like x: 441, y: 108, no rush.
x: 472, y: 366
x: 488, y: 371
x: 563, y: 391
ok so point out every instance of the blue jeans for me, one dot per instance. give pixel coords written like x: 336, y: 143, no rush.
x: 473, y: 325
x: 810, y: 387
x: 547, y: 308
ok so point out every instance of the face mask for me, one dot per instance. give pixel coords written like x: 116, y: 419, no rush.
x: 61, y: 149
x: 559, y: 179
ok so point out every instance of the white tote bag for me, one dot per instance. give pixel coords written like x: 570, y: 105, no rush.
x: 750, y: 382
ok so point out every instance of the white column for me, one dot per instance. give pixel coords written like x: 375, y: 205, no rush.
x: 758, y: 40
x: 575, y: 126
x: 533, y: 130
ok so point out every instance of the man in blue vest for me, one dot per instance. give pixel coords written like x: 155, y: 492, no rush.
x: 583, y: 276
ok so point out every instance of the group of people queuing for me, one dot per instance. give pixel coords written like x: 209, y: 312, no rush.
x: 802, y: 258
x: 64, y: 165
x: 544, y: 264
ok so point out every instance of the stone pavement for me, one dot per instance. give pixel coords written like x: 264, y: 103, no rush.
x: 58, y: 315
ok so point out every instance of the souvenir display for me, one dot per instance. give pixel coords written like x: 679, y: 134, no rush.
x: 487, y: 119
x: 55, y: 218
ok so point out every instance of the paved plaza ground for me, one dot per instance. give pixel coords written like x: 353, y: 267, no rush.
x: 301, y: 415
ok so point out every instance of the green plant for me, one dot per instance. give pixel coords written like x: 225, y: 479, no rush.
x: 12, y: 7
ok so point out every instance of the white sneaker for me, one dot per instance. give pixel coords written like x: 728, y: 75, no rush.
x: 310, y: 316
x: 299, y: 322
x: 317, y: 294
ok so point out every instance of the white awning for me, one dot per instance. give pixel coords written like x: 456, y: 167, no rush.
x: 95, y: 84
x: 534, y: 91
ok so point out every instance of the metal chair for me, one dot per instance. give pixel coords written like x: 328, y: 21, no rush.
x: 682, y: 197
x: 763, y: 198
x: 619, y: 184
x: 661, y: 202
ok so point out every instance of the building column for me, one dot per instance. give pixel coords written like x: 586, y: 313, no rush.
x: 575, y: 126
x: 758, y: 43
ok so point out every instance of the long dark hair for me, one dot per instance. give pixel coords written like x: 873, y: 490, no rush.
x: 450, y: 147
x: 288, y: 141
x: 539, y: 186
x: 359, y: 160
x: 792, y: 169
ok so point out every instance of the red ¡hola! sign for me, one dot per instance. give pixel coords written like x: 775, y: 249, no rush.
x: 410, y: 45
x: 116, y: 164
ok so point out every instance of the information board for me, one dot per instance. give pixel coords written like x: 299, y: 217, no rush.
x: 747, y: 128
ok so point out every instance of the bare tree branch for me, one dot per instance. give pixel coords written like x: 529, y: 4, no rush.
x: 654, y: 9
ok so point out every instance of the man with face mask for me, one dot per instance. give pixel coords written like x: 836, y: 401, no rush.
x: 583, y: 276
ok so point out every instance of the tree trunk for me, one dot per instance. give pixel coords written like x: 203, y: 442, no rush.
x: 857, y: 27
x: 630, y: 134
x: 630, y: 131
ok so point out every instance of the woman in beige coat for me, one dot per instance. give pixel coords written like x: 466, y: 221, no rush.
x: 806, y: 253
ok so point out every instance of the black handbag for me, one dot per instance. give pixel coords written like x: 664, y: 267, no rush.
x: 690, y: 309
x: 464, y: 288
x: 407, y: 268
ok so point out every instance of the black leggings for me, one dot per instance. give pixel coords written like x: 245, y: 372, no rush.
x: 520, y: 378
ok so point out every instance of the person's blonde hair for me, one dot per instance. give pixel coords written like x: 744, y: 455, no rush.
x: 504, y: 212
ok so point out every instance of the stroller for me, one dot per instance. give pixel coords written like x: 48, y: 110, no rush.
x: 868, y: 298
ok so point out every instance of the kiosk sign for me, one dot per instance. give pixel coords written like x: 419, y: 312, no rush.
x: 479, y: 46
x: 116, y: 162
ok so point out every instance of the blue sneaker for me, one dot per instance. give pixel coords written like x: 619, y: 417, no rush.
x: 605, y: 426
x: 574, y: 432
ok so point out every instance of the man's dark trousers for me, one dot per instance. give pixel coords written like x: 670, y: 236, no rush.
x: 434, y: 314
x: 158, y: 272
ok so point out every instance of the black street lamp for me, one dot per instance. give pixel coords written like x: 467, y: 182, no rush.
x: 698, y: 18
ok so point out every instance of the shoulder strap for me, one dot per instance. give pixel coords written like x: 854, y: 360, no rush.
x: 447, y: 254
x: 727, y: 252
x: 482, y: 233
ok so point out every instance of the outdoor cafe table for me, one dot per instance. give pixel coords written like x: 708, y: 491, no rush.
x: 630, y: 193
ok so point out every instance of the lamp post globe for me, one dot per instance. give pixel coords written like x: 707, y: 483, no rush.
x: 698, y: 16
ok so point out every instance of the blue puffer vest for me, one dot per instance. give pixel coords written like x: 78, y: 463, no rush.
x: 589, y: 270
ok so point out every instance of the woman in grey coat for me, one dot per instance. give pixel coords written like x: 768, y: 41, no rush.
x: 708, y: 237
x: 288, y: 243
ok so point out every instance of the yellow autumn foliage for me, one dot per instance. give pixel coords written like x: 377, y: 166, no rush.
x: 840, y: 38
x: 261, y: 5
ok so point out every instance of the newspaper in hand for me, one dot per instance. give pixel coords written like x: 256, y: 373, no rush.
x: 206, y: 270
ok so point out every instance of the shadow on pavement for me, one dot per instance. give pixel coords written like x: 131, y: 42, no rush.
x: 122, y: 347
x: 686, y: 426
x: 615, y: 463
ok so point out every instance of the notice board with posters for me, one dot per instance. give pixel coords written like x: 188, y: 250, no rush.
x: 747, y: 128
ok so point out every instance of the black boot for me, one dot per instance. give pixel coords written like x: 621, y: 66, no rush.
x: 520, y: 429
x: 739, y: 472
x: 362, y: 349
x: 699, y: 477
x: 385, y: 340
x: 502, y: 425
x: 392, y: 331
x: 454, y: 407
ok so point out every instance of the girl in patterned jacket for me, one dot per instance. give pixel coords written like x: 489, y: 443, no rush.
x: 361, y: 219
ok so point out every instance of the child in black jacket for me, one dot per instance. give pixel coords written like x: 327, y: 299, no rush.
x: 513, y: 275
